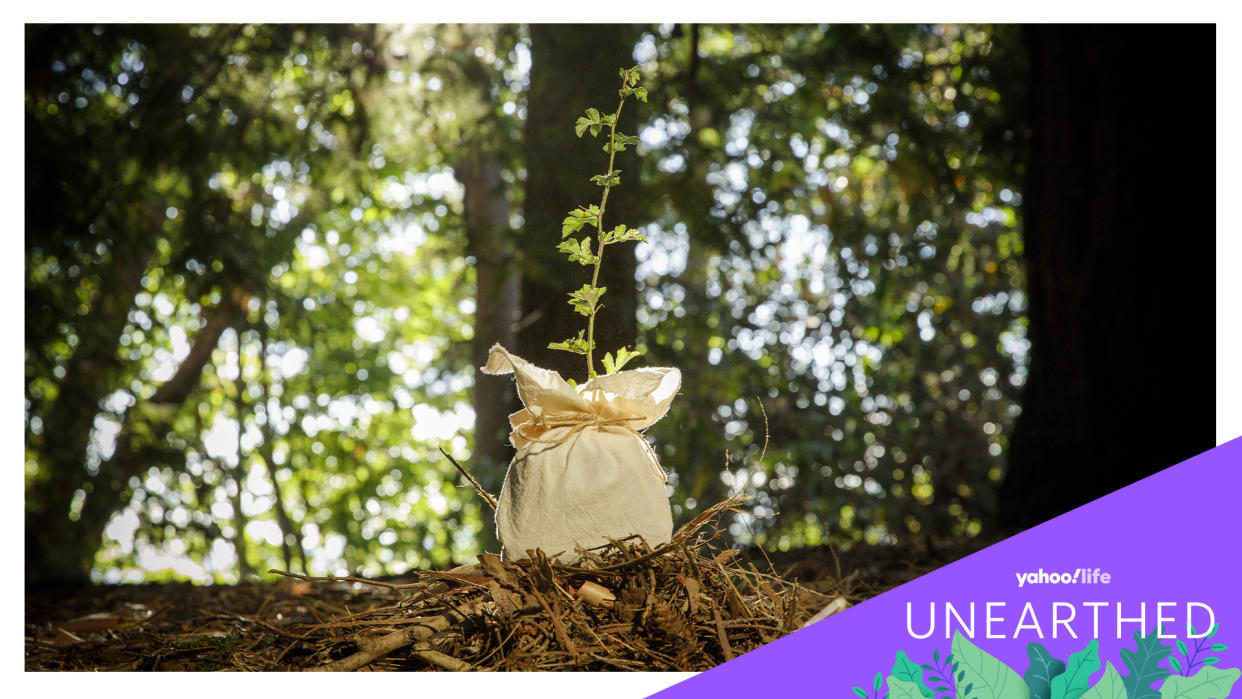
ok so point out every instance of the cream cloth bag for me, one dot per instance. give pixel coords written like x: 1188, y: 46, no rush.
x: 582, y: 473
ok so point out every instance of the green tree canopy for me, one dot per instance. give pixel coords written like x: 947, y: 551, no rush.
x: 251, y: 295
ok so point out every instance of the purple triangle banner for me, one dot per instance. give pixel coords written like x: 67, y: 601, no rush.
x: 1137, y: 595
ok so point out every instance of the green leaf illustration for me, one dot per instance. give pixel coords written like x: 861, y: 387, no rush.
x: 1110, y: 686
x: 1208, y: 683
x: 1043, y: 668
x: 1078, y: 671
x: 1143, y: 664
x: 904, y: 689
x: 991, y: 679
x: 905, y: 669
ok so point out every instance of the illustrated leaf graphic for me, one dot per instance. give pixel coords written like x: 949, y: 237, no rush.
x: 903, y: 689
x: 1078, y: 671
x: 989, y: 677
x: 1043, y: 668
x: 860, y: 692
x: 1208, y: 683
x: 1110, y: 686
x: 904, y: 669
x: 1143, y: 664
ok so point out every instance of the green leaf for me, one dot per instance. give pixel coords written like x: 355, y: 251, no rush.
x: 903, y: 668
x: 1041, y: 671
x: 578, y: 218
x: 612, y: 179
x: 903, y: 689
x: 993, y: 678
x: 1211, y: 661
x: 1176, y: 665
x: 621, y: 234
x: 1143, y: 664
x: 1208, y: 683
x: 1110, y: 686
x: 577, y: 345
x: 586, y: 299
x: 1182, y: 647
x: 579, y: 251
x: 1078, y: 671
x: 1217, y: 647
x: 641, y: 93
x: 861, y: 692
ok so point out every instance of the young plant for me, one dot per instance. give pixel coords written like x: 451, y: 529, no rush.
x: 590, y: 253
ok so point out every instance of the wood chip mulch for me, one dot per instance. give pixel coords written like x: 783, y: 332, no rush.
x: 686, y: 606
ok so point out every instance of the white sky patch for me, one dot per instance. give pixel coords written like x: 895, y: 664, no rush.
x: 163, y: 305
x: 222, y: 556
x: 665, y: 252
x: 291, y: 362
x: 121, y: 529
x: 152, y: 560
x: 221, y: 439
x: 314, y: 255
x: 263, y: 530
x: 103, y: 439
x: 430, y: 423
x: 369, y: 329
x: 402, y: 238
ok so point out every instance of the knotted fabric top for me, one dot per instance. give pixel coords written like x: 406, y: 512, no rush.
x: 633, y: 399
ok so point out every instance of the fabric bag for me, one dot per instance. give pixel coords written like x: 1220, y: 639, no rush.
x: 583, y: 472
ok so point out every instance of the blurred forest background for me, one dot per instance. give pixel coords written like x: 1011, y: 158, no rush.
x: 960, y: 268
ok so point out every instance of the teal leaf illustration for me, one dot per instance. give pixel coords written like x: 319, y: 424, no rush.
x: 903, y: 689
x: 905, y: 669
x: 1110, y: 686
x: 1208, y: 683
x: 1043, y: 668
x: 860, y: 692
x: 989, y: 677
x: 1144, y: 667
x: 1078, y: 671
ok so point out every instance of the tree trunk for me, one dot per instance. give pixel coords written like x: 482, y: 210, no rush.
x: 574, y: 67
x: 1118, y: 244
x: 497, y: 299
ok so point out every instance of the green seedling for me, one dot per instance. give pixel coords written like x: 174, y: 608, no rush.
x: 588, y: 252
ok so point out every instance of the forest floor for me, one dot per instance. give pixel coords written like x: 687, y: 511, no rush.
x: 687, y: 606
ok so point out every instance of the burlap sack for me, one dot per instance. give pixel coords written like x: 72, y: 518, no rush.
x: 583, y: 472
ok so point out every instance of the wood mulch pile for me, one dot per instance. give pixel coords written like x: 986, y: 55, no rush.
x: 686, y: 606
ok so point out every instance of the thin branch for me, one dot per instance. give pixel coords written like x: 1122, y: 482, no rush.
x: 478, y: 488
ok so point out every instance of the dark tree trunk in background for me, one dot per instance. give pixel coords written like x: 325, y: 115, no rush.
x: 574, y: 67
x: 495, y: 321
x: 1119, y: 240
